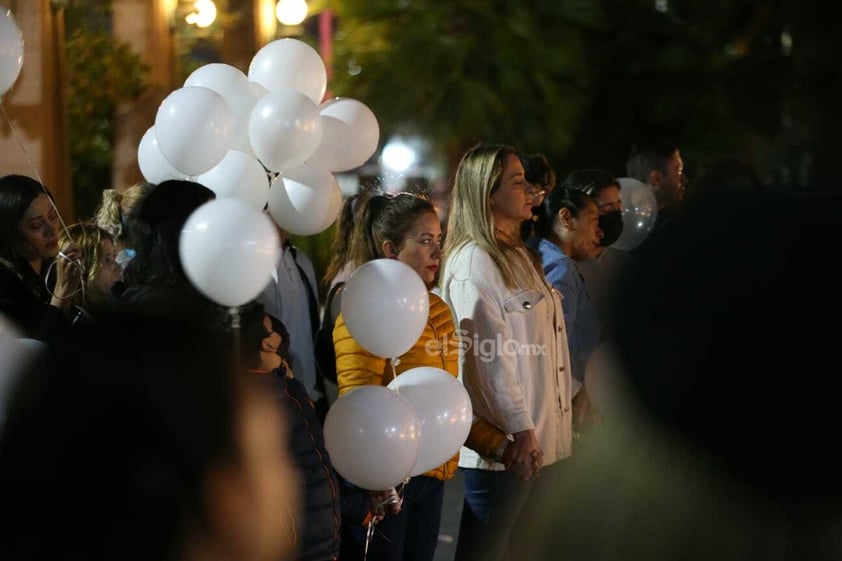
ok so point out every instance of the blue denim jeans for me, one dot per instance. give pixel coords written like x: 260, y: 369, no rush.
x: 493, y: 503
x: 411, y: 535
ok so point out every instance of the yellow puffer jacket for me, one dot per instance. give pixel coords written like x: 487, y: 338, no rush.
x: 355, y: 367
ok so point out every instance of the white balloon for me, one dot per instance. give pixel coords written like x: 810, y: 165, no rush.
x: 640, y: 210
x: 241, y: 141
x: 258, y: 90
x: 11, y: 357
x: 239, y: 94
x: 240, y: 176
x: 153, y: 165
x: 290, y: 63
x: 385, y: 307
x: 194, y: 128
x: 284, y: 129
x: 372, y: 435
x: 444, y: 410
x: 349, y: 137
x: 228, y: 250
x: 16, y: 352
x: 306, y: 200
x: 11, y: 50
x: 229, y: 82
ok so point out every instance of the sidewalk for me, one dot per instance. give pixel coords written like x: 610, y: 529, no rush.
x: 450, y: 515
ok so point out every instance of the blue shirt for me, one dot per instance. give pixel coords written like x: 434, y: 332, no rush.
x: 580, y: 317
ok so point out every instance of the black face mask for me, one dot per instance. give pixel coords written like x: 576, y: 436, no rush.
x: 611, y: 224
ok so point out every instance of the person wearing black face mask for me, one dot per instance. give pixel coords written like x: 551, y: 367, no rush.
x: 611, y: 224
x: 603, y: 275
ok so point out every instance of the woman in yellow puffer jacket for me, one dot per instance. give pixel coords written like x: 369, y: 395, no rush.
x: 404, y: 227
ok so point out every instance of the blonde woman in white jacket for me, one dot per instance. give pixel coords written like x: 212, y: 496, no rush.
x: 515, y: 362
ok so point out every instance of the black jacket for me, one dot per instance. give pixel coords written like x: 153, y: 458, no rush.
x: 319, y: 520
x: 35, y: 318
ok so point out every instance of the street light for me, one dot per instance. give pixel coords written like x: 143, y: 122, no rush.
x: 203, y: 15
x: 291, y: 12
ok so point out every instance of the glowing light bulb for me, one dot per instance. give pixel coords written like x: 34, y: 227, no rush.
x: 398, y: 157
x: 204, y: 15
x: 291, y: 12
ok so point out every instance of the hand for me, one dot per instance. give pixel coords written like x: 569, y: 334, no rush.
x: 384, y: 503
x: 69, y: 275
x: 581, y: 408
x: 285, y: 368
x: 523, y: 456
x: 584, y: 413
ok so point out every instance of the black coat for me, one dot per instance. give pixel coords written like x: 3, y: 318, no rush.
x: 319, y: 519
x: 35, y: 318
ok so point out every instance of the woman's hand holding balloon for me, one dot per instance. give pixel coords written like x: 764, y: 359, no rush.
x: 384, y: 503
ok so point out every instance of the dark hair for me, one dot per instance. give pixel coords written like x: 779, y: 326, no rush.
x: 341, y: 241
x: 155, y: 229
x: 125, y: 420
x: 16, y: 194
x: 680, y: 314
x: 538, y: 171
x: 590, y: 181
x: 384, y: 217
x: 571, y: 199
x: 649, y: 154
x: 281, y: 329
x: 253, y: 332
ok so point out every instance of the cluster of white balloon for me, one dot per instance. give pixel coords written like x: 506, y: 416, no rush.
x: 256, y: 139
x: 262, y: 139
x: 376, y: 436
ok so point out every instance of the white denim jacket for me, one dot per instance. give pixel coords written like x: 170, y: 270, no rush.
x: 514, y: 360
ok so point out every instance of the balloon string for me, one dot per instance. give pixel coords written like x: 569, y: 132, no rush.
x: 79, y: 267
x: 373, y: 518
x: 369, y: 534
x: 38, y: 177
x: 401, y: 489
x: 34, y: 169
x: 234, y: 314
x: 394, y: 361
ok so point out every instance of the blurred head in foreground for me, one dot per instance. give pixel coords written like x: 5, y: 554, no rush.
x: 140, y: 439
x: 722, y: 448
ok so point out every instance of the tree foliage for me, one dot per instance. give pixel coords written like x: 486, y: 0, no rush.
x: 580, y: 80
x: 463, y: 71
x: 102, y: 73
x: 688, y: 70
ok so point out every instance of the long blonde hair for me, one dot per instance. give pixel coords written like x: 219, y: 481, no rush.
x: 470, y: 218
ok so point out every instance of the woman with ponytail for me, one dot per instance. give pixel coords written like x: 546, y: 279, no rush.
x: 405, y: 227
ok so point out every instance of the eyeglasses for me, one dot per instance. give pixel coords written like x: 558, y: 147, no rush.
x: 535, y: 193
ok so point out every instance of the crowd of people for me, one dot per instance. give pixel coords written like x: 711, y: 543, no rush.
x: 183, y: 433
